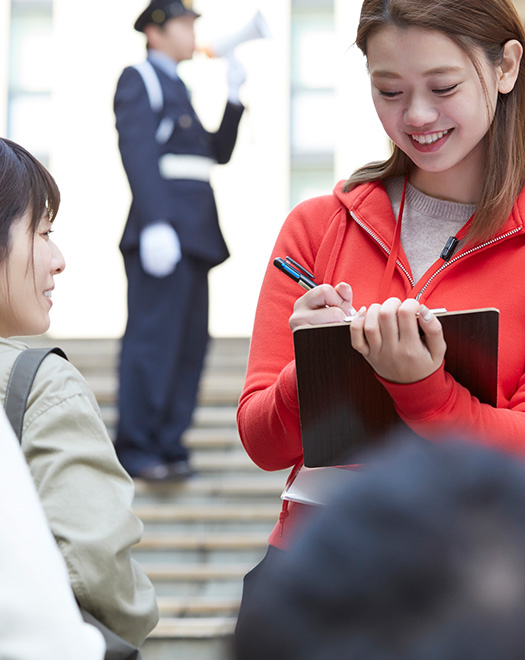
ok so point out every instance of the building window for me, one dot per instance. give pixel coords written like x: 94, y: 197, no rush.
x: 29, y: 112
x: 312, y: 121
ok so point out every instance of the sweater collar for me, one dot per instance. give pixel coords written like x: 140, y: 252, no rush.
x: 370, y: 205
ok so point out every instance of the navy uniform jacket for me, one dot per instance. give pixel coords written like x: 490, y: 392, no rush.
x: 188, y: 205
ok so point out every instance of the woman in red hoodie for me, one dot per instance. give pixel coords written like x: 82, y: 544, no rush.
x: 448, y: 84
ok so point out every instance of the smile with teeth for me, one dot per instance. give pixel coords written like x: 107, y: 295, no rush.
x: 430, y: 138
x: 47, y: 294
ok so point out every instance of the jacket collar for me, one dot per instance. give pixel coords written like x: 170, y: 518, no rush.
x: 163, y: 62
x: 369, y: 204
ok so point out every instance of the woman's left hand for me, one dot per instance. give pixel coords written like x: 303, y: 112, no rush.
x: 388, y: 337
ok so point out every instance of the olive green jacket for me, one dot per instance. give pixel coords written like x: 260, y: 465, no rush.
x: 86, y: 495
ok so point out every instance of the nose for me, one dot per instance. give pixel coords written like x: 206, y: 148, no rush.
x: 420, y: 111
x: 58, y: 263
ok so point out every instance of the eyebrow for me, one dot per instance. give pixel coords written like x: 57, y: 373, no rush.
x: 437, y: 71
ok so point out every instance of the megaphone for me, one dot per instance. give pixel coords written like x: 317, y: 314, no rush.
x: 256, y: 28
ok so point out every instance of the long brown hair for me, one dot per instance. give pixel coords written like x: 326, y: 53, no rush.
x: 471, y: 24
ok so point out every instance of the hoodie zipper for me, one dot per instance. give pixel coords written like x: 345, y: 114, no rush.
x: 497, y: 239
x: 445, y: 265
x: 383, y: 246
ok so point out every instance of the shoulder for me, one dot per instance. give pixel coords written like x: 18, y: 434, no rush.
x: 519, y: 209
x: 373, y: 192
x: 317, y: 218
x: 61, y: 411
x: 364, y: 193
x: 322, y: 210
x: 9, y: 351
x: 130, y: 84
x: 308, y: 223
x: 57, y: 380
x: 316, y: 209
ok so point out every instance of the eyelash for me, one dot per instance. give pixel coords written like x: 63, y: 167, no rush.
x: 445, y: 90
x: 440, y: 92
x: 47, y: 234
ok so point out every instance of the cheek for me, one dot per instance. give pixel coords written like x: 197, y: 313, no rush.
x: 474, y: 117
x: 387, y: 116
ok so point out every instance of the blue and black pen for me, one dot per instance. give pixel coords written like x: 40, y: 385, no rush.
x: 304, y: 278
x: 296, y: 272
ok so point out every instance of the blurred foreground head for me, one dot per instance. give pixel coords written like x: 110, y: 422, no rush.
x: 420, y: 557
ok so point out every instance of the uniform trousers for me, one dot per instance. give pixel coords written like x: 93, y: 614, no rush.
x: 162, y: 357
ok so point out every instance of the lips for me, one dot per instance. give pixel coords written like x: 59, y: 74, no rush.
x: 428, y: 142
x: 429, y: 138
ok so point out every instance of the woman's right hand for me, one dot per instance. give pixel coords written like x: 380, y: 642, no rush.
x: 323, y: 304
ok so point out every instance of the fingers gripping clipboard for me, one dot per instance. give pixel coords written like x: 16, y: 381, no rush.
x: 345, y: 410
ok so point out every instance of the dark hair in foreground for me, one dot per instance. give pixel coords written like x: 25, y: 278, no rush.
x: 25, y: 184
x: 420, y: 557
x: 471, y: 24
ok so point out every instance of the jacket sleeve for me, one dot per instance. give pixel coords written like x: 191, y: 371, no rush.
x: 268, y: 412
x: 223, y: 141
x: 438, y: 403
x: 87, y: 497
x: 140, y: 152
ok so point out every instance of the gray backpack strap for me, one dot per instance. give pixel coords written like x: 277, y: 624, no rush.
x: 20, y: 382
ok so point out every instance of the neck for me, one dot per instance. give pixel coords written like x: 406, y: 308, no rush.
x: 461, y: 183
x: 446, y: 187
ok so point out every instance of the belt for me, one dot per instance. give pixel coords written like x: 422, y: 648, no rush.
x: 182, y: 166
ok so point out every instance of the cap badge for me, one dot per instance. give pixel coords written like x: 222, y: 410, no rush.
x: 158, y: 16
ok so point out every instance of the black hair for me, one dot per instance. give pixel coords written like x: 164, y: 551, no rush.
x: 25, y: 185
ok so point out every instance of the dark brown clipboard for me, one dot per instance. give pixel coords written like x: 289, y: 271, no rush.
x: 344, y: 409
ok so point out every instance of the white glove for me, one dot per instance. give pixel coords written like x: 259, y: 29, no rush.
x: 236, y: 76
x: 159, y: 249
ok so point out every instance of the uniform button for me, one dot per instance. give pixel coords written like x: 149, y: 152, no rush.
x: 185, y: 121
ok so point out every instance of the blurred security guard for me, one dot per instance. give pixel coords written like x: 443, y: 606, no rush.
x: 171, y: 240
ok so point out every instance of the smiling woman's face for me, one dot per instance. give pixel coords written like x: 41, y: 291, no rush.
x: 431, y: 101
x: 27, y: 279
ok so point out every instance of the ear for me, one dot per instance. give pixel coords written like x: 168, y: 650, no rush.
x: 509, y: 68
x: 153, y: 33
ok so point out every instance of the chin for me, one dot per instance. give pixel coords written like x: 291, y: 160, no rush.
x: 39, y: 328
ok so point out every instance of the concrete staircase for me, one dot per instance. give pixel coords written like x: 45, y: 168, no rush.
x: 200, y: 537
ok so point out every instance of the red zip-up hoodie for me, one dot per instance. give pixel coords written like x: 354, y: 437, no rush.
x: 347, y: 237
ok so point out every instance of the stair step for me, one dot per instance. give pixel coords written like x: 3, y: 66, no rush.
x: 212, y: 461
x: 216, y: 486
x: 208, y: 541
x: 195, y: 606
x: 149, y: 513
x: 221, y: 389
x: 195, y: 572
x: 212, y: 437
x: 216, y: 416
x: 222, y: 352
x: 194, y: 628
x: 211, y: 419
